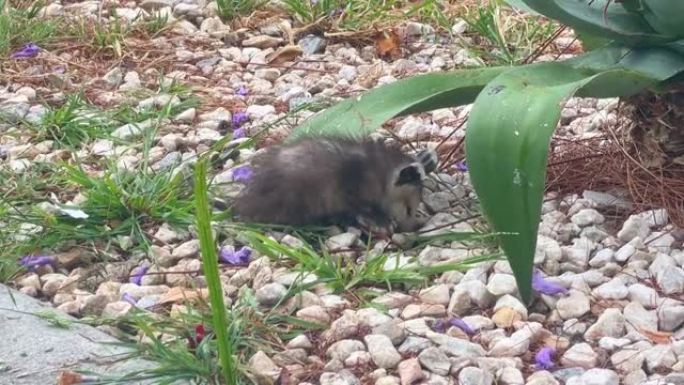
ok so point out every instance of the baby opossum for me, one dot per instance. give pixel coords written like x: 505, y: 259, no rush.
x: 336, y: 182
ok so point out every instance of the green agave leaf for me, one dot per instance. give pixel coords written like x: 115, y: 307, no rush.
x: 665, y: 16
x: 520, y: 5
x: 507, y: 146
x: 359, y: 116
x: 606, y: 18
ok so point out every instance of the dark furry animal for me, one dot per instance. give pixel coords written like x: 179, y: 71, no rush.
x: 336, y: 182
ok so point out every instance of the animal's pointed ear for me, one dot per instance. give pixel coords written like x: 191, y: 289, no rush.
x: 428, y: 158
x: 410, y: 174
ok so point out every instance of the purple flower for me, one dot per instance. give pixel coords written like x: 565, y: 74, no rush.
x: 461, y: 166
x: 544, y: 358
x: 230, y: 256
x: 26, y: 52
x: 242, y: 91
x: 137, y: 275
x: 129, y: 298
x: 239, y: 118
x: 242, y: 174
x: 30, y: 262
x: 541, y: 285
x: 239, y: 133
x: 439, y: 325
x: 461, y: 324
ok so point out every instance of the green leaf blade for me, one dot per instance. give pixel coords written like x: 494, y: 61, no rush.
x: 507, y: 147
x: 359, y: 116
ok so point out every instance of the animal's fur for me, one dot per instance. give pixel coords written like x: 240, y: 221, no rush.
x: 333, y: 181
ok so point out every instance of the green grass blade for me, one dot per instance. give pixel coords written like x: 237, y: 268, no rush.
x: 359, y: 116
x: 506, y: 147
x: 211, y: 272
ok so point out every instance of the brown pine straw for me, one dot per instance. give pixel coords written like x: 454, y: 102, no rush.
x: 610, y: 163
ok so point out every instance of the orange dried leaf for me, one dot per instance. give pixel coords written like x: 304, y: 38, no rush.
x: 179, y: 294
x: 289, y: 53
x: 69, y: 378
x: 388, y: 44
x: 656, y: 336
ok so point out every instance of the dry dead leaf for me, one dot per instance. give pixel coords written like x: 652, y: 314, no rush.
x: 388, y: 44
x: 180, y: 294
x: 289, y: 53
x: 656, y: 336
x: 69, y: 378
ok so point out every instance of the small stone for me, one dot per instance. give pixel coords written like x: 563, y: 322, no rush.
x: 435, y: 361
x: 659, y: 357
x: 312, y: 44
x: 300, y: 342
x: 600, y: 377
x: 627, y: 360
x: 438, y: 294
x: 611, y: 323
x: 382, y: 351
x: 455, y: 347
x: 94, y: 304
x: 474, y: 376
x: 314, y: 314
x: 612, y: 343
x: 413, y: 345
x: 256, y: 111
x: 114, y: 77
x: 575, y: 305
x: 500, y: 284
x: 410, y: 372
x: 341, y: 350
x: 341, y: 241
x: 189, y: 249
x: 587, y: 217
x: 614, y: 289
x: 581, y: 355
x: 518, y: 343
x: 263, y: 367
x: 671, y: 317
x: 634, y: 226
x: 270, y: 294
x: 509, y: 376
x: 342, y: 377
x: 392, y: 329
x: 638, y: 319
x: 117, y: 309
x: 187, y: 116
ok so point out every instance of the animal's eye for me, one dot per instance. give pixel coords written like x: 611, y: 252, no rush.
x: 408, y: 210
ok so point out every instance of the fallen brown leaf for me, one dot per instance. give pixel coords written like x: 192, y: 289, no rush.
x: 288, y: 53
x: 69, y: 378
x: 180, y: 294
x: 388, y: 45
x: 656, y: 336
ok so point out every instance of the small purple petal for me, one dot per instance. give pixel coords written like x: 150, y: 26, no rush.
x: 26, y: 52
x: 242, y: 91
x: 459, y: 323
x: 239, y: 118
x: 239, y: 133
x: 129, y: 298
x: 543, y: 360
x: 30, y: 262
x: 439, y: 326
x: 137, y: 275
x: 238, y: 258
x: 242, y: 174
x: 541, y: 285
x: 461, y: 166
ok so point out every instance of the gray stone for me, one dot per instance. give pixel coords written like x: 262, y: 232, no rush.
x: 474, y: 376
x: 438, y: 294
x: 410, y: 371
x: 587, y: 217
x: 600, y: 377
x: 312, y: 44
x: 455, y: 347
x: 659, y: 357
x: 343, y: 377
x: 581, y: 355
x: 611, y: 323
x: 341, y: 350
x: 382, y: 351
x: 413, y: 345
x: 634, y: 226
x: 575, y: 305
x: 646, y: 296
x: 500, y: 284
x: 34, y: 350
x: 671, y: 317
x: 614, y: 289
x: 435, y: 361
x: 270, y: 294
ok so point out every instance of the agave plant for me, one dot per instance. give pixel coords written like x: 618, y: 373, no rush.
x: 637, y: 49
